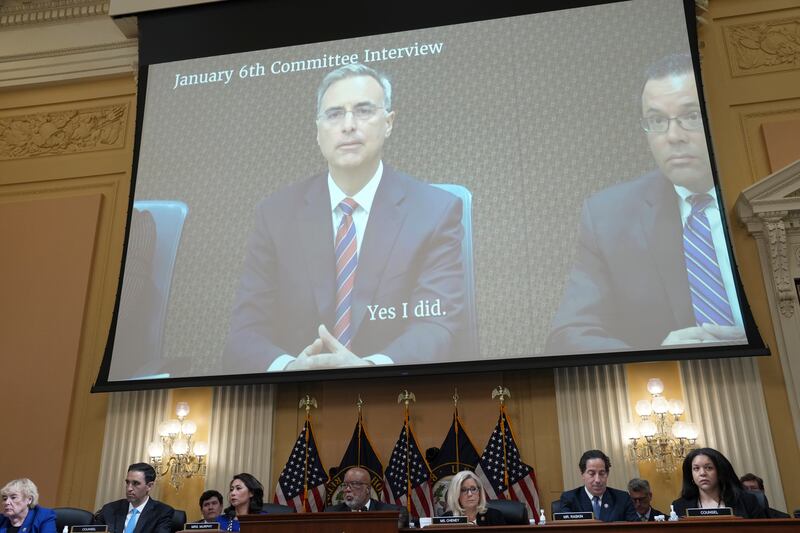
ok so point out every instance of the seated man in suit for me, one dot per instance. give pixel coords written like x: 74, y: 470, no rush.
x: 339, y: 266
x: 752, y: 482
x: 652, y: 267
x: 138, y: 512
x: 210, y: 505
x: 640, y: 493
x: 607, y: 504
x: 357, y: 497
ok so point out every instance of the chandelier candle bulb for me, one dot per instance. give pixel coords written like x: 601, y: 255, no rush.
x: 182, y: 410
x: 655, y: 386
x: 643, y: 408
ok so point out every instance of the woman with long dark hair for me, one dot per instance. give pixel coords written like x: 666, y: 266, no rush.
x: 246, y: 496
x: 709, y: 481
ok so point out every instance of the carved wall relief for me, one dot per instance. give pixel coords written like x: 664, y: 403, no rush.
x: 63, y: 132
x: 775, y: 225
x: 768, y: 46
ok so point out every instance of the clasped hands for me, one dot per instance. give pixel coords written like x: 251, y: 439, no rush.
x: 326, y: 352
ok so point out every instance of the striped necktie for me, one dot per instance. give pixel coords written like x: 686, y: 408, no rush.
x: 596, y: 507
x: 709, y: 299
x: 346, y: 262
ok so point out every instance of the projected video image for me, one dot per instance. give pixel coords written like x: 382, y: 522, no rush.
x: 528, y: 188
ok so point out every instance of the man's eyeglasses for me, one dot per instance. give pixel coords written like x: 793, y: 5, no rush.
x: 353, y: 484
x: 469, y: 490
x: 691, y: 121
x: 336, y: 115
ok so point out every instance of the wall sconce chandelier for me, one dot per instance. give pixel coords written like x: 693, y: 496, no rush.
x: 660, y: 437
x: 174, y: 453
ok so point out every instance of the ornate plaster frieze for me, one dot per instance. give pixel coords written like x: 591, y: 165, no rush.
x: 775, y: 226
x: 21, y: 12
x: 766, y: 46
x: 771, y: 211
x: 63, y: 132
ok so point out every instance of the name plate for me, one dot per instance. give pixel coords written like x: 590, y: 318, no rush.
x: 88, y: 529
x: 448, y: 520
x: 702, y: 512
x: 198, y: 526
x: 588, y: 515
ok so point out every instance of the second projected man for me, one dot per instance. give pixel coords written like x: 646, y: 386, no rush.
x: 653, y: 267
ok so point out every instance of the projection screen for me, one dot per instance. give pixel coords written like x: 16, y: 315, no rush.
x: 519, y: 215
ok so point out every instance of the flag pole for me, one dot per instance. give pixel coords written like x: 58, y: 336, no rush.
x: 306, y: 403
x: 406, y: 398
x: 359, y: 404
x: 455, y: 419
x: 502, y: 392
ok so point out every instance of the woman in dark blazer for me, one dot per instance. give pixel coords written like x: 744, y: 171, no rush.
x: 466, y: 497
x: 246, y: 496
x: 710, y: 481
x: 21, y: 510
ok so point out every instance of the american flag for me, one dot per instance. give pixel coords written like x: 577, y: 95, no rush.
x: 502, y: 471
x: 408, y: 469
x: 301, y: 484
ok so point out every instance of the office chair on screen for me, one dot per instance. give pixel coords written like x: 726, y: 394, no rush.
x: 155, y: 234
x: 469, y: 342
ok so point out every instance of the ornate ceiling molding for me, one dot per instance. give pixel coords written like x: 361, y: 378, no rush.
x: 22, y: 12
x: 45, y: 41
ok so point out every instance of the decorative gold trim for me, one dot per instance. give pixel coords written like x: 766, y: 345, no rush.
x: 17, y: 13
x: 128, y: 43
x: 762, y: 47
x: 63, y: 132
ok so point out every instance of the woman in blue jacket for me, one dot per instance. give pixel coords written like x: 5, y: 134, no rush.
x: 21, y: 510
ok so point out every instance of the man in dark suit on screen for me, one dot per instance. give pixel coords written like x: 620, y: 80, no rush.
x: 138, y: 512
x: 607, y: 504
x: 652, y: 267
x: 358, y: 266
x: 356, y: 489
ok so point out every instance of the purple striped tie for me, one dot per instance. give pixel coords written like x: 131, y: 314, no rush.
x: 346, y: 262
x: 709, y: 299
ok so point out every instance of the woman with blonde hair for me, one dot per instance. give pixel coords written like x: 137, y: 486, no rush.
x: 21, y: 510
x: 466, y: 497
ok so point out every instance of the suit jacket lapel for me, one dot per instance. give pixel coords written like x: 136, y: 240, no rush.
x: 119, y: 517
x: 144, y: 517
x: 385, y: 221
x: 583, y: 500
x: 607, y: 503
x: 661, y: 223
x: 316, y: 235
